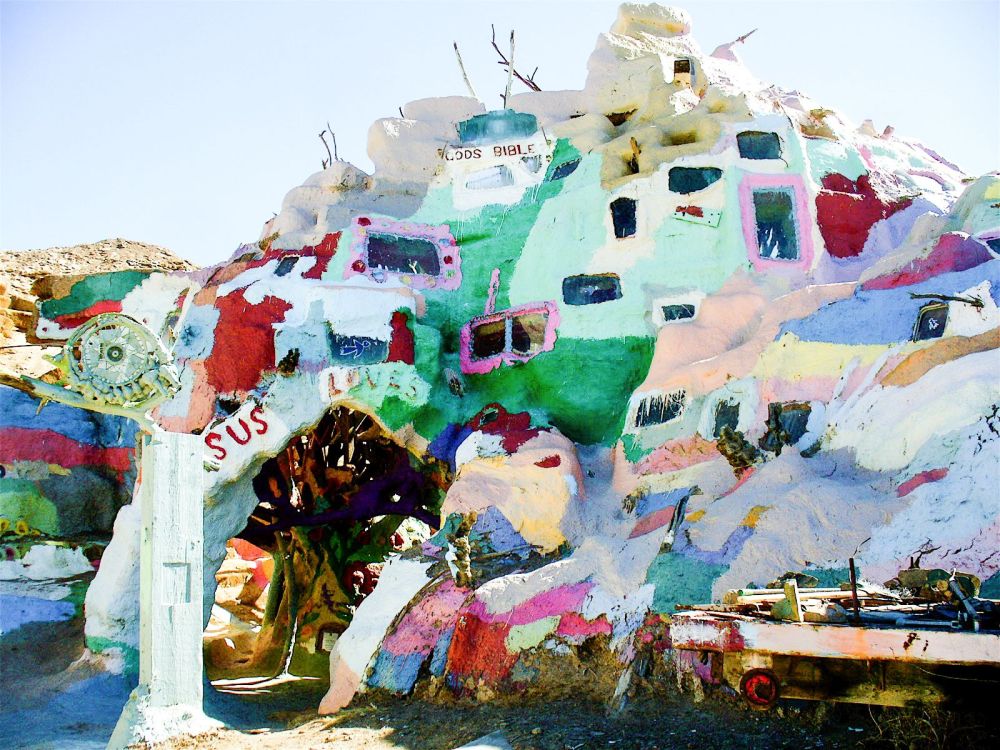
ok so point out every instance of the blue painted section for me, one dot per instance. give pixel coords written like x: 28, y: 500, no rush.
x: 18, y: 409
x: 444, y: 446
x: 659, y: 501
x: 722, y: 556
x: 440, y: 656
x: 396, y: 673
x: 16, y: 611
x: 886, y: 316
x: 498, y: 535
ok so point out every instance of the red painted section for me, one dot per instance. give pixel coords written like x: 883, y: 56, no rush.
x: 515, y: 429
x: 846, y: 211
x: 72, y: 320
x: 690, y: 211
x: 653, y: 521
x: 323, y: 252
x: 478, y: 651
x: 575, y: 625
x: 549, y: 462
x: 401, y: 345
x: 953, y: 252
x: 244, y: 341
x: 744, y: 478
x: 933, y: 475
x: 21, y: 444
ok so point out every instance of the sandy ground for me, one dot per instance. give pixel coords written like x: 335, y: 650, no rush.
x: 651, y: 724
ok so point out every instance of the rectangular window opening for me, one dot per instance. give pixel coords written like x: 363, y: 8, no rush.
x: 286, y: 265
x: 623, y: 217
x: 489, y: 339
x: 754, y: 144
x: 403, y: 254
x: 692, y: 179
x: 794, y: 418
x: 727, y: 414
x: 565, y: 169
x: 591, y: 289
x: 488, y: 179
x: 775, y: 222
x: 660, y: 408
x: 527, y: 333
x: 617, y: 118
x: 931, y: 321
x: 682, y: 65
x: 677, y: 312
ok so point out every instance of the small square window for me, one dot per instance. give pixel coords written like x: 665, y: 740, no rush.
x: 727, y: 414
x: 794, y: 419
x: 931, y: 321
x: 774, y: 217
x: 489, y: 339
x: 660, y: 408
x: 754, y: 144
x: 527, y: 333
x: 623, y: 217
x: 682, y: 65
x: 403, y: 254
x: 591, y: 289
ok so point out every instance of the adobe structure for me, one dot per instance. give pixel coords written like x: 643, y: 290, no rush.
x: 479, y: 421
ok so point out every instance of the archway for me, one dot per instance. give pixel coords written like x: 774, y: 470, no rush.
x: 332, y: 505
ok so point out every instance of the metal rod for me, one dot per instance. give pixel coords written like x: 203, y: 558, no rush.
x: 854, y: 591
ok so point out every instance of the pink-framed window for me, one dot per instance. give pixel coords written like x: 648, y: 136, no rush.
x: 421, y: 256
x: 776, y: 222
x: 508, y: 336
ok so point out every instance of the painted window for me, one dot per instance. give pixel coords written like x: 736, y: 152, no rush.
x: 692, y: 179
x: 754, y: 144
x: 682, y: 65
x: 420, y: 256
x: 660, y: 408
x: 354, y: 351
x: 931, y: 321
x: 727, y: 414
x: 565, y: 169
x: 403, y: 254
x: 591, y: 289
x: 532, y: 163
x: 623, y: 217
x: 774, y: 219
x: 514, y: 335
x: 286, y: 265
x: 487, y: 179
x: 678, y: 307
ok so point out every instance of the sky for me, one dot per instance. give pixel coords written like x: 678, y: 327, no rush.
x: 183, y: 124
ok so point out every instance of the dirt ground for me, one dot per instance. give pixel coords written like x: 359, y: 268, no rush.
x: 651, y: 724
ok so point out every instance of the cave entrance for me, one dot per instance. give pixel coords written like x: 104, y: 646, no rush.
x: 332, y: 506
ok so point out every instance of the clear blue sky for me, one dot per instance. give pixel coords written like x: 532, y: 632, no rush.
x: 184, y: 124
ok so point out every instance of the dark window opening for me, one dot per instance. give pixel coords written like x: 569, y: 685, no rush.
x: 617, y: 118
x: 794, y: 418
x: 355, y: 351
x: 565, y: 169
x: 682, y: 65
x: 623, y: 217
x: 692, y: 179
x: 286, y: 265
x: 493, y: 177
x: 754, y: 144
x: 403, y: 254
x: 727, y: 414
x: 520, y: 334
x: 527, y: 332
x: 775, y: 219
x: 677, y: 312
x: 994, y: 244
x: 681, y: 138
x: 489, y: 339
x: 659, y: 409
x: 591, y: 289
x: 632, y: 164
x: 931, y: 321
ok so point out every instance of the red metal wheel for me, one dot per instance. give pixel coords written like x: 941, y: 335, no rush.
x: 760, y: 688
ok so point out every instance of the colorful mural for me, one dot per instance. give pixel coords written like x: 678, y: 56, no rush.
x: 621, y: 349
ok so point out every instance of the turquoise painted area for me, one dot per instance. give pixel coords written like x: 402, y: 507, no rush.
x: 93, y: 289
x: 991, y: 587
x: 832, y: 577
x: 681, y: 580
x: 129, y: 654
x: 827, y: 157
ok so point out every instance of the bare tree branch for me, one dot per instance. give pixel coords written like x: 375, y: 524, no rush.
x: 508, y: 66
x: 328, y: 161
x: 465, y: 75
